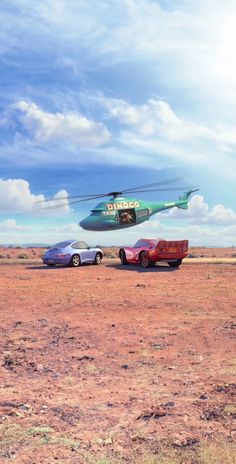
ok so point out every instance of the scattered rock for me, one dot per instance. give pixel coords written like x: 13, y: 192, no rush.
x: 39, y: 368
x: 170, y: 404
x: 211, y: 414
x: 85, y: 358
x: 185, y: 442
x: 105, y: 441
x: 154, y: 414
x: 8, y: 362
x: 227, y: 388
x: 157, y: 346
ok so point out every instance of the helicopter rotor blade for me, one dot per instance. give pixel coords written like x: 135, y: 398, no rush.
x: 142, y: 189
x: 72, y: 197
x: 73, y: 201
x: 165, y: 189
x: 164, y: 182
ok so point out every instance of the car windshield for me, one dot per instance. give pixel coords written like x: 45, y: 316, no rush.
x: 145, y: 243
x: 63, y: 244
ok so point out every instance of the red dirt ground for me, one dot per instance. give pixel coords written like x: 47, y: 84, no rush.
x: 117, y: 361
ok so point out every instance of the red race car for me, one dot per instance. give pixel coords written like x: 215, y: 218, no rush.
x: 148, y: 251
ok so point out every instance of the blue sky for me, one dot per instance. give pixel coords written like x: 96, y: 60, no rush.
x: 106, y: 95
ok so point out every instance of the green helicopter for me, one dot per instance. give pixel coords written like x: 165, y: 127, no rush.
x: 120, y: 212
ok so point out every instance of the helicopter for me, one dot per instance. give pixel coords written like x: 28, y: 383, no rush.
x: 120, y: 212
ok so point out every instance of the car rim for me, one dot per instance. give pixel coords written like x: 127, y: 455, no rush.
x: 76, y: 260
x: 144, y: 260
x: 98, y: 259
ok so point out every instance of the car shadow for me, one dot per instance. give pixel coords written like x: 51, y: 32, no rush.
x: 46, y: 268
x: 57, y: 267
x: 139, y: 269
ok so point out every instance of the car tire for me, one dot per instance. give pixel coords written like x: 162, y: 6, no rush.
x: 123, y: 258
x: 97, y: 259
x: 145, y: 260
x: 175, y: 263
x: 75, y: 261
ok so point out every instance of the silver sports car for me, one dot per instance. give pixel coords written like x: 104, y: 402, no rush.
x: 72, y: 253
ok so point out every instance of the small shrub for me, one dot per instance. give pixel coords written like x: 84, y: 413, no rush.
x: 218, y: 454
x: 22, y: 255
x: 2, y: 256
x: 110, y: 252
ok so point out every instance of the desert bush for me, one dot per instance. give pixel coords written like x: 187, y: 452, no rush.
x: 2, y: 256
x: 214, y: 453
x: 42, y: 252
x: 218, y: 454
x: 23, y: 255
x: 110, y: 252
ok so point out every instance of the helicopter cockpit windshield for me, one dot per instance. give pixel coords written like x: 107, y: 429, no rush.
x: 96, y: 212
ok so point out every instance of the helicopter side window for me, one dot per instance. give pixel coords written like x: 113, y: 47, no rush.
x: 127, y: 216
x: 142, y: 213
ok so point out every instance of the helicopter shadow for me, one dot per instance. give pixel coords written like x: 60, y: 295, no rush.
x: 139, y: 269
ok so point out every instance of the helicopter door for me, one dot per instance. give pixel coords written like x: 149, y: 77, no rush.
x: 127, y: 216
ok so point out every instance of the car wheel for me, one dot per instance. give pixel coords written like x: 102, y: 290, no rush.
x: 123, y: 259
x: 175, y: 263
x: 51, y: 265
x: 144, y: 259
x: 98, y: 258
x: 75, y: 261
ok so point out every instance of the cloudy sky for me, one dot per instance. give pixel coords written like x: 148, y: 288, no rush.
x: 106, y: 95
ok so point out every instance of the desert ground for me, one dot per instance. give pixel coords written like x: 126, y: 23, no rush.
x: 118, y: 364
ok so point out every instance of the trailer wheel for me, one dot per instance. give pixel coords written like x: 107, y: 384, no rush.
x: 175, y: 263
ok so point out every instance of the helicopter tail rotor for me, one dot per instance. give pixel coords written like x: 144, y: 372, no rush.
x: 187, y: 194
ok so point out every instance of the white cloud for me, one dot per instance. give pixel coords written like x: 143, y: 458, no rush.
x: 66, y: 229
x: 193, y: 41
x: 70, y: 127
x: 199, y: 213
x: 156, y: 118
x: 10, y: 225
x: 15, y: 196
x: 197, y: 234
